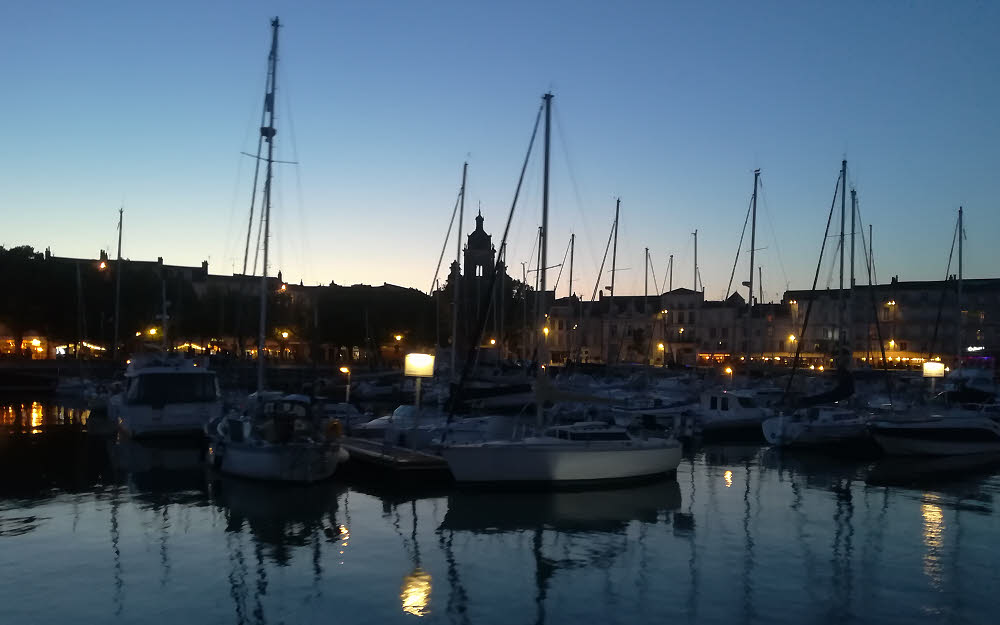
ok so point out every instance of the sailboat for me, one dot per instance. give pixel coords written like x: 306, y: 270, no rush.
x: 822, y: 420
x: 943, y: 430
x: 584, y: 452
x: 277, y: 437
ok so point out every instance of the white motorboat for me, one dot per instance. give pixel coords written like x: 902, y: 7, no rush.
x: 586, y: 452
x: 281, y: 439
x: 974, y: 432
x: 816, y: 426
x: 165, y: 395
x: 725, y: 414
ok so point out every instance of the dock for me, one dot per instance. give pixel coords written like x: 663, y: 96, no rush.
x: 399, y: 462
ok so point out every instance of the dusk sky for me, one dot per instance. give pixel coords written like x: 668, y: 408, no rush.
x: 669, y: 106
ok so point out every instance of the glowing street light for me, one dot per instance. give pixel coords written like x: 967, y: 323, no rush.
x: 398, y: 337
x: 102, y: 266
x: 660, y: 346
x: 284, y: 334
x: 545, y: 331
x: 152, y: 332
x: 493, y: 341
x: 347, y: 391
x: 791, y: 337
x: 138, y: 333
x: 283, y: 288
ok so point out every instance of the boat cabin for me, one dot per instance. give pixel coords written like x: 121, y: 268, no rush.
x: 588, y: 431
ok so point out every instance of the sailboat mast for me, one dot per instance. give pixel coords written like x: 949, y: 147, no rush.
x: 753, y: 248
x: 959, y: 328
x: 843, y: 215
x: 670, y: 272
x: 850, y: 295
x: 118, y: 285
x: 267, y: 134
x: 645, y: 283
x: 614, y: 260
x: 543, y: 232
x: 572, y: 245
x: 456, y: 303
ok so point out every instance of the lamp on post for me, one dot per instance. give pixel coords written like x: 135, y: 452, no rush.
x: 347, y: 391
x: 418, y: 366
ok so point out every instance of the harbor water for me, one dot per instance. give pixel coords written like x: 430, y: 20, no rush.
x: 94, y: 531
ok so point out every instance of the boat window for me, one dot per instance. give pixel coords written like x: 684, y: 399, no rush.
x: 725, y: 403
x: 746, y: 402
x: 714, y: 403
x: 156, y: 389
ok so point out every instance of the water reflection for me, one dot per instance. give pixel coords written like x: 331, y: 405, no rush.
x: 35, y: 417
x: 933, y: 535
x: 416, y: 593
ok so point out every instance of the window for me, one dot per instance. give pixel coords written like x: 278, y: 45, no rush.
x: 561, y: 324
x: 157, y: 389
x: 725, y: 403
x: 711, y: 333
x: 714, y: 403
x: 479, y: 271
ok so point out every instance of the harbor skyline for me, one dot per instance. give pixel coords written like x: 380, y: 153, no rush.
x: 671, y: 111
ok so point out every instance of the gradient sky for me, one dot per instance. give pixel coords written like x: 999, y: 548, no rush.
x: 669, y: 105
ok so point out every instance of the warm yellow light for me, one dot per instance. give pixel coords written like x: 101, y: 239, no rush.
x: 933, y: 370
x: 418, y: 365
x: 152, y: 331
x: 138, y: 333
x: 937, y: 359
x: 493, y: 341
x: 947, y: 369
x: 39, y: 350
x: 777, y: 358
x: 399, y: 337
x: 728, y: 476
x: 545, y: 330
x: 812, y: 366
x: 345, y: 370
x: 892, y: 343
x: 791, y: 337
x: 821, y: 367
x: 35, y: 342
x: 284, y: 287
x: 660, y: 346
x: 729, y: 370
x: 681, y: 330
x: 664, y: 311
x: 103, y: 265
x: 284, y: 334
x: 416, y: 593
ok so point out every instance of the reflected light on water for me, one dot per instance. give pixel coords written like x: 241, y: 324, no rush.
x: 416, y: 592
x: 37, y: 417
x: 933, y: 534
x: 728, y: 476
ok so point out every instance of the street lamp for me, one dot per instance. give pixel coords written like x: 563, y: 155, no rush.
x: 493, y: 341
x: 102, y: 266
x: 729, y: 372
x: 398, y: 337
x: 152, y: 332
x: 347, y: 392
x: 284, y: 334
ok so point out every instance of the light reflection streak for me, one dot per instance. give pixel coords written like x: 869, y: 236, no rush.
x: 728, y: 476
x: 416, y: 592
x: 933, y: 535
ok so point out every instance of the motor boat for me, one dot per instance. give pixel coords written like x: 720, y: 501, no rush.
x: 731, y: 414
x: 165, y: 395
x: 279, y: 438
x: 580, y: 453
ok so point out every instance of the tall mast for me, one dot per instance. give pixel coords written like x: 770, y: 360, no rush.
x: 850, y: 294
x: 456, y: 303
x: 614, y: 259
x: 695, y: 233
x: 843, y: 215
x: 267, y: 134
x: 543, y: 232
x: 959, y: 328
x: 543, y: 248
x: 572, y: 245
x: 753, y: 247
x: 670, y: 272
x: 118, y: 285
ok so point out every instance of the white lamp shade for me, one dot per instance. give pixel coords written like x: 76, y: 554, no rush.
x: 419, y: 365
x: 933, y: 369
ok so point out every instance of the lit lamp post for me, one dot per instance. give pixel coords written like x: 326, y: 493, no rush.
x: 418, y: 366
x: 663, y: 354
x: 933, y: 370
x: 729, y: 372
x: 347, y: 391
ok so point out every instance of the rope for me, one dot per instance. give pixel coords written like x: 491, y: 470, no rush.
x: 738, y: 248
x: 447, y: 236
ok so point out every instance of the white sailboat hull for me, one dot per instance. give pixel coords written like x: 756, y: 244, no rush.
x: 948, y: 436
x: 783, y: 432
x: 560, y: 462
